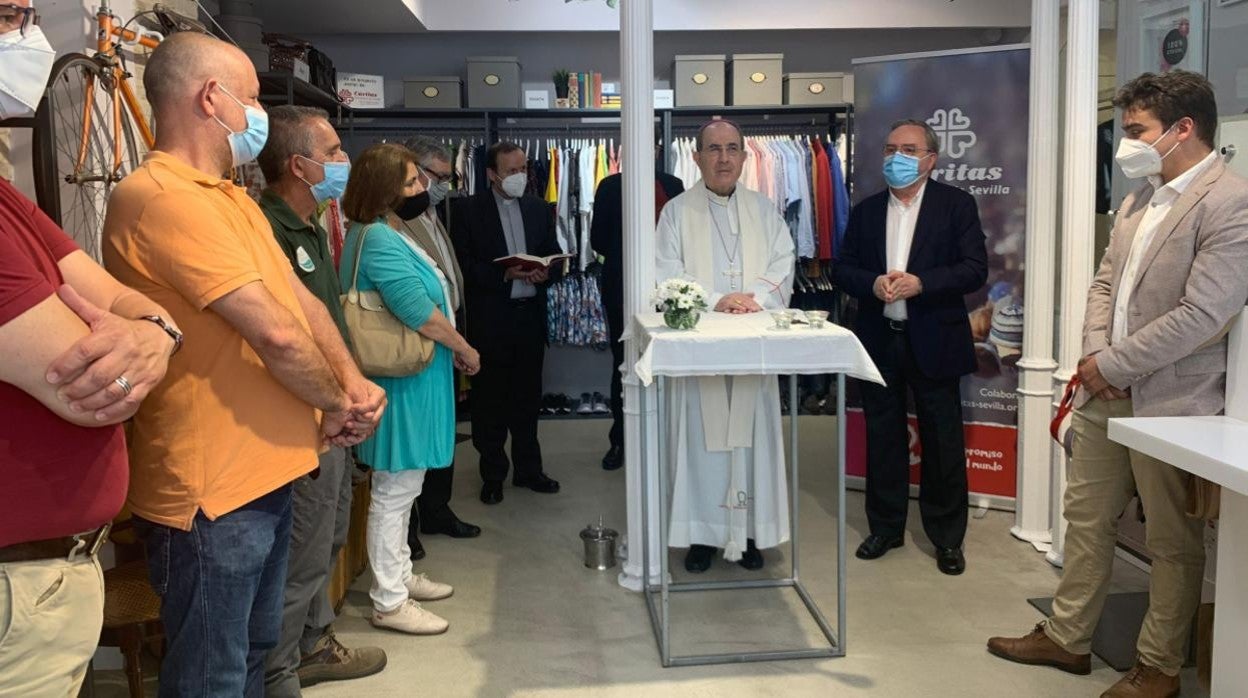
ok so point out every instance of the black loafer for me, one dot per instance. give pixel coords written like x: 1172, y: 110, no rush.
x: 614, y: 459
x: 950, y: 560
x: 698, y: 559
x: 539, y: 483
x: 453, y: 528
x: 492, y: 492
x: 875, y: 546
x: 752, y: 558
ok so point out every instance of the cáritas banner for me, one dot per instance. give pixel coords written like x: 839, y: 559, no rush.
x: 977, y: 102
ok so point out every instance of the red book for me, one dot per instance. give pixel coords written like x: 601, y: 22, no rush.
x: 598, y: 90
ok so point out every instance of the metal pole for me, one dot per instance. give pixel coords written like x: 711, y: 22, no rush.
x: 840, y: 512
x: 794, y: 491
x: 661, y: 474
x: 641, y: 464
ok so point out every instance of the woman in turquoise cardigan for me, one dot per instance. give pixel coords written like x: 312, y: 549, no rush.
x: 417, y: 430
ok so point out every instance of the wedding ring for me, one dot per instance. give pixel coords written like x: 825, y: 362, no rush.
x: 126, y: 388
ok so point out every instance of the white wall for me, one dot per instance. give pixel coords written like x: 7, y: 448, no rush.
x: 540, y: 53
x: 1228, y: 57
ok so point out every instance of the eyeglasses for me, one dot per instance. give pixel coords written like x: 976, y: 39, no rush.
x: 10, y: 12
x: 732, y: 150
x: 905, y: 150
x: 434, y: 177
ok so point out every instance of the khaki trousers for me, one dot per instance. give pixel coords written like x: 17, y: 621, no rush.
x: 50, y: 617
x: 1101, y: 479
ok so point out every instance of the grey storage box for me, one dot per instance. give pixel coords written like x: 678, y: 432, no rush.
x: 814, y: 88
x: 700, y: 81
x: 755, y: 79
x: 433, y: 92
x: 494, y: 82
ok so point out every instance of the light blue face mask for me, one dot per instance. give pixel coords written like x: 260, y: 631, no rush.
x: 334, y: 185
x: 245, y: 145
x: 901, y: 170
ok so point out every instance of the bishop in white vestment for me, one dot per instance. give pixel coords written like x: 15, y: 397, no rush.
x: 724, y: 435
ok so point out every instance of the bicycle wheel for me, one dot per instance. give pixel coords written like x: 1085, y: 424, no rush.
x: 76, y: 158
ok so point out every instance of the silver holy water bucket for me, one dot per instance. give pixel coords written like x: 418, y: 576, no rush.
x: 599, y: 546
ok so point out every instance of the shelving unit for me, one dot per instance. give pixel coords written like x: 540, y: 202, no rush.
x: 285, y: 88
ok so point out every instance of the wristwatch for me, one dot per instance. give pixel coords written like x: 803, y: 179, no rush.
x: 169, y: 330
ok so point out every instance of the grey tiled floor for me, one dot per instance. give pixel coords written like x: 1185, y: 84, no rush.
x: 528, y: 620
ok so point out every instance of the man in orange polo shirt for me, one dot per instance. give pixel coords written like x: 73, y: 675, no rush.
x: 264, y: 383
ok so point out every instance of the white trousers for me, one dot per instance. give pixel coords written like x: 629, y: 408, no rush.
x: 389, y: 555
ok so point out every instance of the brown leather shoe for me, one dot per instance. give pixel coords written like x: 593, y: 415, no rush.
x: 1144, y: 681
x: 1036, y: 648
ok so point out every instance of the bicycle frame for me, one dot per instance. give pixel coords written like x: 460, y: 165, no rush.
x: 111, y: 34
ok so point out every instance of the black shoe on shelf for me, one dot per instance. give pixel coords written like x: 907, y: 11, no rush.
x: 614, y: 459
x: 586, y: 406
x: 548, y: 404
x: 600, y: 404
x: 698, y: 559
x: 492, y: 492
x: 563, y: 404
x: 538, y: 483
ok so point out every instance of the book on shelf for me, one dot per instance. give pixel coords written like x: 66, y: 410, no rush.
x: 528, y: 262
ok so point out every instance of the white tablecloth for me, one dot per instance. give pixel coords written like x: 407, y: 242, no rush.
x: 726, y: 344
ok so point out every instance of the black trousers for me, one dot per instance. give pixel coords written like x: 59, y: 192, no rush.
x: 615, y: 325
x: 433, y: 506
x: 942, y: 486
x: 507, y: 393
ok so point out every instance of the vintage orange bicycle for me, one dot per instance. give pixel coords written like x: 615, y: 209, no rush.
x: 89, y: 116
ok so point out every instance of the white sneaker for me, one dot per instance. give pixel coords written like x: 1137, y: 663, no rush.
x: 421, y: 588
x: 411, y: 619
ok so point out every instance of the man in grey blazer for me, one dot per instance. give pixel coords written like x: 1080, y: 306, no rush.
x: 432, y: 511
x: 1174, y: 275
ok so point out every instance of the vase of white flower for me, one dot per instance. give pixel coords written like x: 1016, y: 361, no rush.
x: 682, y: 303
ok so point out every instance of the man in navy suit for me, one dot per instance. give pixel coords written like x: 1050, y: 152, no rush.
x: 910, y: 254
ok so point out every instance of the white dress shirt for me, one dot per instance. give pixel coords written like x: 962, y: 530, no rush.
x: 1158, y: 208
x: 900, y: 231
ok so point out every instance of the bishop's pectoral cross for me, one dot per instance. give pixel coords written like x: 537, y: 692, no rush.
x: 734, y: 277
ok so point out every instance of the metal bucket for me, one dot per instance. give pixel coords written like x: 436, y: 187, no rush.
x: 599, y: 546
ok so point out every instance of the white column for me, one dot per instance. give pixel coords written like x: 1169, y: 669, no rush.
x: 637, y: 95
x: 1078, y: 220
x: 1031, y: 512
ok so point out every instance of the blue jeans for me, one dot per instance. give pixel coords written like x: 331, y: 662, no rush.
x: 220, y: 586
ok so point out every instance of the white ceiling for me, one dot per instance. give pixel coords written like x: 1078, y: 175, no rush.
x: 404, y: 16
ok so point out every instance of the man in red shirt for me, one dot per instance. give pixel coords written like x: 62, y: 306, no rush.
x: 80, y: 353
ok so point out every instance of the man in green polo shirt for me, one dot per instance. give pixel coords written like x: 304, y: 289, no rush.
x: 304, y: 166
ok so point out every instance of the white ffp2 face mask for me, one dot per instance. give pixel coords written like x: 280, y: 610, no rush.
x: 27, y: 62
x: 1139, y: 159
x: 515, y: 185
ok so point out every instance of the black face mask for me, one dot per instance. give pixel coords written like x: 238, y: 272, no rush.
x: 413, y: 206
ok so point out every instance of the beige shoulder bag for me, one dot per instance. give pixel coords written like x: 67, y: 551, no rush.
x: 382, y: 344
